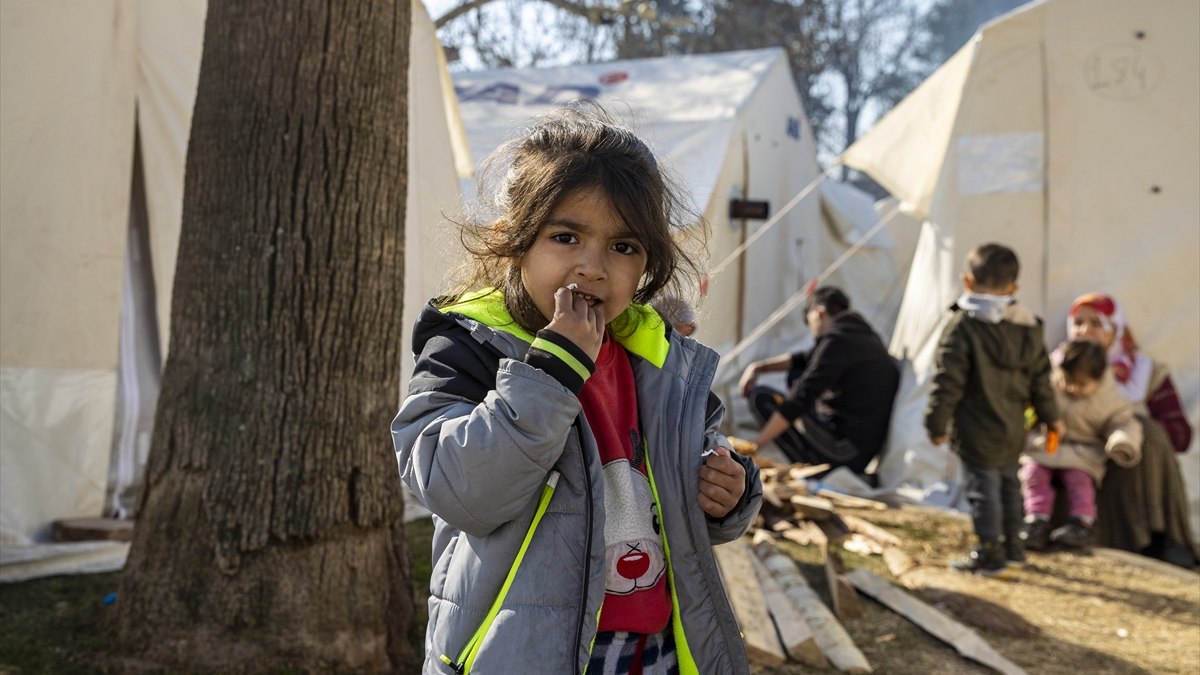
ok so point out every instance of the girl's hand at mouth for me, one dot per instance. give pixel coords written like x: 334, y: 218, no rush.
x: 575, y: 319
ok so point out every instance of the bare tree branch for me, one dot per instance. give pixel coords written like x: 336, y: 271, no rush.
x: 602, y: 16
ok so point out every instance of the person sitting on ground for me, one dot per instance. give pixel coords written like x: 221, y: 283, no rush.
x: 842, y: 390
x: 991, y: 362
x: 1143, y: 508
x: 677, y: 313
x: 1099, y: 425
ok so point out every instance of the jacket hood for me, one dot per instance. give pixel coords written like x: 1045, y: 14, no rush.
x: 639, y: 329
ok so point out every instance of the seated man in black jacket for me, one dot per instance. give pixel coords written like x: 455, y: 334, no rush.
x: 842, y: 389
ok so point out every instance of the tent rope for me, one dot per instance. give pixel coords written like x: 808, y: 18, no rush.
x: 733, y: 255
x: 802, y: 294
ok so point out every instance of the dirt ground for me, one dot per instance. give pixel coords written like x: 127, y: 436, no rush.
x: 1065, y: 612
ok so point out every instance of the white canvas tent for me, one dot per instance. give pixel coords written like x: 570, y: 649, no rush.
x: 1067, y: 130
x: 727, y: 126
x: 79, y: 80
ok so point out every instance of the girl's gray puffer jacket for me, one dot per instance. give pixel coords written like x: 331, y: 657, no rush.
x: 476, y: 439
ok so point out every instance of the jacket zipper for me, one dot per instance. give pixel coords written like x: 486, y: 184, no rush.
x: 587, y: 550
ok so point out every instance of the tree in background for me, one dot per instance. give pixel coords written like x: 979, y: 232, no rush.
x: 270, y: 534
x: 950, y: 23
x: 800, y: 28
x: 871, y: 59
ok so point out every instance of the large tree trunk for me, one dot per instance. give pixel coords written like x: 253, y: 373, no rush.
x: 270, y: 534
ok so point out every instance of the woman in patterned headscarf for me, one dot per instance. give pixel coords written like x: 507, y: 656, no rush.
x: 1142, y: 508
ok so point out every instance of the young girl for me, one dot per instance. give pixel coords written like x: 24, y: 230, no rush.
x: 1100, y: 424
x: 565, y: 437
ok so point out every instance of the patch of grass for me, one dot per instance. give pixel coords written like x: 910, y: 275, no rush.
x: 418, y: 536
x: 57, y: 624
x: 61, y: 624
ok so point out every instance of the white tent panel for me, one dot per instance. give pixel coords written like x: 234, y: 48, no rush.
x: 170, y: 40
x: 873, y: 276
x: 919, y: 129
x: 51, y: 423
x: 433, y: 127
x: 66, y: 127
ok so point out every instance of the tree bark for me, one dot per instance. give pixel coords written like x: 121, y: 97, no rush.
x: 270, y: 534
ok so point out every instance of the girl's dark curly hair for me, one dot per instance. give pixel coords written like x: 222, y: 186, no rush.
x: 574, y: 148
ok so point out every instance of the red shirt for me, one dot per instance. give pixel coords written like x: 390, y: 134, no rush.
x: 636, y: 597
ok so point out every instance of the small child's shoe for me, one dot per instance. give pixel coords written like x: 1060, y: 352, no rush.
x: 1075, y: 534
x: 1036, y: 534
x: 986, y: 559
x: 1014, y: 552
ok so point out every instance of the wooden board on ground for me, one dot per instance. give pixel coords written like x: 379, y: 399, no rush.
x: 813, y: 508
x: 92, y: 529
x: 802, y: 471
x: 964, y: 640
x: 749, y: 603
x: 864, y: 546
x: 871, y: 530
x: 850, y: 501
x: 828, y: 632
x: 836, y: 530
x: 805, y: 533
x: 794, y: 633
x: 845, y: 600
x: 898, y: 562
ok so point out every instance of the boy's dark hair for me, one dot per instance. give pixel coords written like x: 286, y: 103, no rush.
x: 993, y: 266
x: 574, y: 148
x: 1084, y: 357
x: 830, y: 297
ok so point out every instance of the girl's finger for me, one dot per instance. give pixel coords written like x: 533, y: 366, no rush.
x: 563, y: 300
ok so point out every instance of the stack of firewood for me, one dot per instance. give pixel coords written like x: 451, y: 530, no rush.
x: 781, y: 616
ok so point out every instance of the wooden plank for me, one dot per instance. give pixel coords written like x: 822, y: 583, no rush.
x: 800, y: 472
x: 1146, y: 563
x: 782, y: 525
x: 871, y: 530
x: 768, y: 474
x: 90, y: 529
x: 898, y: 562
x: 790, y: 624
x: 749, y: 603
x: 845, y: 600
x: 770, y: 494
x: 964, y: 640
x: 835, y: 528
x: 831, y: 637
x: 857, y: 543
x: 813, y: 508
x: 850, y: 501
x: 805, y: 533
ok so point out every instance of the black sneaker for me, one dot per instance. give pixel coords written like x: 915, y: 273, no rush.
x: 1075, y: 534
x: 1014, y: 552
x: 1036, y: 534
x: 986, y: 559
